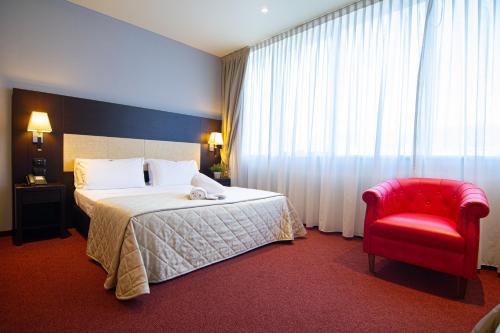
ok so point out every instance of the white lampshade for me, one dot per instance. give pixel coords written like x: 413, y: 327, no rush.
x: 215, y: 139
x: 39, y: 122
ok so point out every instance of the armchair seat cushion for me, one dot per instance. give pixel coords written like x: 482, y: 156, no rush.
x: 423, y: 229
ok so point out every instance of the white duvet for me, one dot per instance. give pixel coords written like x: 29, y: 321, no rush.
x: 146, y: 238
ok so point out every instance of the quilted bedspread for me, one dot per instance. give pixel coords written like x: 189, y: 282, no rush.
x: 152, y: 238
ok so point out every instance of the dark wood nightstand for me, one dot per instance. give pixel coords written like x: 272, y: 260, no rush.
x: 223, y: 181
x: 37, y: 208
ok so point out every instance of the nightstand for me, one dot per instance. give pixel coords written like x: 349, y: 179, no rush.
x: 38, y: 208
x: 223, y: 181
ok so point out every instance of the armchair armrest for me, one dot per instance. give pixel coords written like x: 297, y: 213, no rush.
x: 372, y: 195
x: 473, y: 206
x: 382, y: 198
x: 380, y: 201
x: 473, y: 201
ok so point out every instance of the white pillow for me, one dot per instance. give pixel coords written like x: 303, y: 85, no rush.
x: 164, y: 172
x: 101, y: 174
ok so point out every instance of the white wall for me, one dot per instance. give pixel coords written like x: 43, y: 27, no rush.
x: 58, y: 47
x: 5, y: 161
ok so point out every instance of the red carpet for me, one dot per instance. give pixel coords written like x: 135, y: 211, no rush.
x: 318, y: 284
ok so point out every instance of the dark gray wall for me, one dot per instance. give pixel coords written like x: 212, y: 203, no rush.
x: 58, y: 47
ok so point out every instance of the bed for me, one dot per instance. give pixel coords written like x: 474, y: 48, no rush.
x: 148, y: 234
x: 155, y: 233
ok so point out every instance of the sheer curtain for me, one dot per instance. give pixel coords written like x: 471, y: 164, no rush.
x: 458, y: 104
x: 377, y: 90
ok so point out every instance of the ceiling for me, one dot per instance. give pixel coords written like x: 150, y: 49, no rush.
x: 217, y: 27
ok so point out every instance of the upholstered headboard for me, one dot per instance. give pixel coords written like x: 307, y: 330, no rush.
x: 90, y: 146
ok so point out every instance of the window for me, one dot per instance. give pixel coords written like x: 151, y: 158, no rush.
x: 348, y: 86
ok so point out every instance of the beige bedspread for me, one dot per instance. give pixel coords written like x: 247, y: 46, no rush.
x: 153, y: 238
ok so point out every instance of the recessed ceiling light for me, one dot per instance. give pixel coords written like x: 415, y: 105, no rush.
x: 264, y: 10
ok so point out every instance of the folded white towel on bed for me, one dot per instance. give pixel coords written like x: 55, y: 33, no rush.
x: 198, y: 193
x: 207, y: 183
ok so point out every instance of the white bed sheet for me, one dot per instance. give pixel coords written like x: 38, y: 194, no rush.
x: 86, y: 199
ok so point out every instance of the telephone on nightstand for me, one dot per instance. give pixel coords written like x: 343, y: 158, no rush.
x: 35, y: 180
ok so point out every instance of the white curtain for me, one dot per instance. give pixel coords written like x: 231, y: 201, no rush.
x: 378, y: 90
x: 458, y: 104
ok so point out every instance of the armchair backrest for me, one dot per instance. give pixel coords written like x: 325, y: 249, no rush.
x: 430, y: 196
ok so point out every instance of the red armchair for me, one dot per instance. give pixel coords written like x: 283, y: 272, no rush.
x: 432, y: 223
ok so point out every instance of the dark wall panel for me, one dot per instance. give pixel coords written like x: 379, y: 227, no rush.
x: 82, y: 116
x: 23, y: 150
x: 89, y: 117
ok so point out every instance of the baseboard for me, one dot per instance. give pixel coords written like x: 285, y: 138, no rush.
x: 5, y: 233
x: 488, y: 268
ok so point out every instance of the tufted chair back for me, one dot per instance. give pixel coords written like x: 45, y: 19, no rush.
x: 423, y: 195
x: 431, y: 196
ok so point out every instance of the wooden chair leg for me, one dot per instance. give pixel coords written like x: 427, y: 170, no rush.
x: 371, y: 263
x: 461, y: 287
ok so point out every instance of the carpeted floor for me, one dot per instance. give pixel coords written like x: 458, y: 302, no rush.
x: 318, y: 284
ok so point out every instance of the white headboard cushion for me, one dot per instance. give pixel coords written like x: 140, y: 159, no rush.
x: 174, y: 151
x: 90, y: 146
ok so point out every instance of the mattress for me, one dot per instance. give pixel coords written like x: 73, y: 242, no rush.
x: 86, y: 199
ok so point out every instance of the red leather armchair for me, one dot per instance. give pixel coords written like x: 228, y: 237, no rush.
x: 432, y: 223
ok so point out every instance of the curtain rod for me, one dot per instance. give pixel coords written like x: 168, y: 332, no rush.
x: 323, y: 18
x: 308, y: 25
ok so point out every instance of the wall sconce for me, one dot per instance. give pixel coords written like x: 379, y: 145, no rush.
x: 215, y: 140
x: 39, y: 123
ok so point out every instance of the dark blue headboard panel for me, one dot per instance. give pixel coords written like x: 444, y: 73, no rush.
x: 89, y: 117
